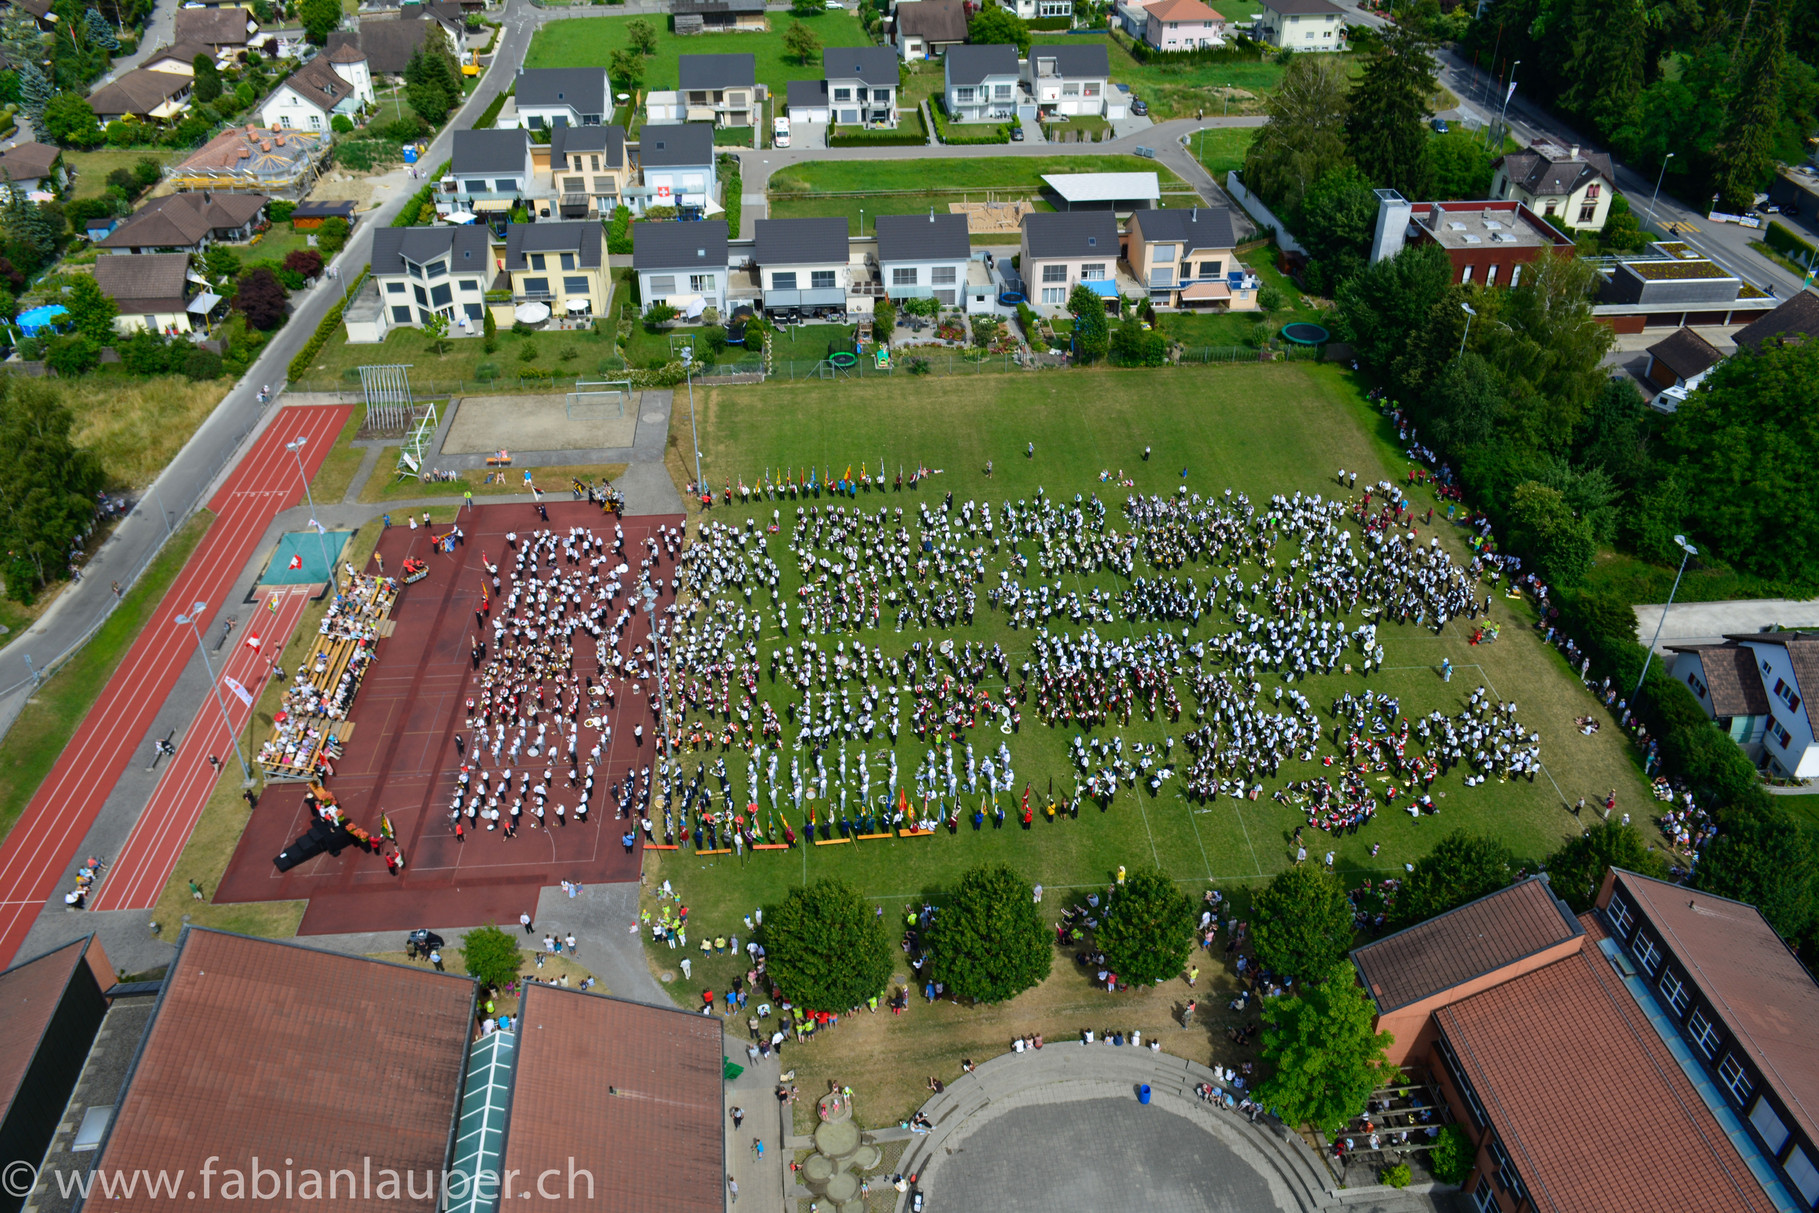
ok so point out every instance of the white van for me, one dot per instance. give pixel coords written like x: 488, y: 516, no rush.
x: 780, y: 133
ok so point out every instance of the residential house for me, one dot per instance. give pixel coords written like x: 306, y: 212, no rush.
x: 681, y: 264
x: 924, y: 256
x: 34, y: 168
x: 1563, y: 185
x: 188, y: 223
x: 179, y: 58
x: 1068, y: 79
x: 1062, y: 248
x: 808, y: 102
x: 1793, y: 321
x: 1185, y: 258
x: 389, y: 42
x: 677, y: 162
x: 1678, y: 364
x: 38, y: 10
x: 152, y: 292
x: 561, y: 264
x: 1510, y: 1008
x: 981, y: 83
x: 804, y: 264
x: 1786, y: 665
x: 423, y: 271
x: 146, y: 95
x: 1302, y: 25
x: 1133, y: 16
x: 217, y: 28
x: 491, y: 169
x: 549, y: 97
x: 1182, y: 25
x: 1487, y: 242
x: 718, y: 16
x: 310, y: 97
x: 861, y: 85
x: 721, y: 89
x: 310, y: 216
x: 926, y: 28
x: 589, y: 169
x: 1042, y: 10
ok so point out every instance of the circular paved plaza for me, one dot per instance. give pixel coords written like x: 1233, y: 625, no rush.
x: 1097, y: 1154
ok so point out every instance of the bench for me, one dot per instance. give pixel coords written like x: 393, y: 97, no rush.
x: 502, y: 460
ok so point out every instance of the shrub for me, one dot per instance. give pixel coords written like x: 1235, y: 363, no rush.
x: 659, y: 315
x: 279, y: 210
x: 341, y: 124
x: 201, y: 364
x: 260, y: 298
x: 304, y: 261
x: 491, y: 956
x: 331, y: 237
x: 1398, y: 1176
x: 72, y: 355
x: 1451, y: 1158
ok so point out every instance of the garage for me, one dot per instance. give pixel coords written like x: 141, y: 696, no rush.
x: 807, y: 102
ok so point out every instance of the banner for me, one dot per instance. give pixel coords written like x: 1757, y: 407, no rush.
x: 240, y: 692
x: 296, y: 560
x: 252, y: 640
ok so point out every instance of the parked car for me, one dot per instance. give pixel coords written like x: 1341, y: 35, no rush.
x: 1017, y: 133
x: 1140, y: 107
x: 780, y: 133
x: 1439, y: 125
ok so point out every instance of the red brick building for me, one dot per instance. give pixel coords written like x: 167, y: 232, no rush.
x: 1488, y: 241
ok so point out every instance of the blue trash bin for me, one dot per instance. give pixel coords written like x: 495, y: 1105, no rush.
x: 1143, y: 1093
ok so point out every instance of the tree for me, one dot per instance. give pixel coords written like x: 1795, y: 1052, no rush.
x: 807, y: 8
x: 99, y: 32
x: 428, y: 101
x: 628, y: 69
x: 827, y: 949
x: 489, y: 329
x: 1746, y: 156
x: 1338, y: 216
x: 1743, y: 444
x: 1611, y: 49
x: 490, y: 955
x: 331, y: 236
x: 1134, y: 345
x: 1552, y: 352
x: 1561, y: 545
x: 1387, y: 126
x: 1092, y: 331
x: 996, y: 25
x: 642, y: 36
x: 319, y: 17
x: 260, y: 297
x: 304, y: 261
x: 1386, y: 304
x: 659, y: 315
x: 989, y: 942
x: 72, y: 354
x: 47, y: 483
x: 1303, y: 922
x: 35, y: 92
x: 208, y: 78
x: 1465, y: 402
x: 1304, y: 138
x: 800, y: 43
x: 1326, y: 1059
x: 884, y: 319
x: 221, y: 262
x: 435, y: 327
x: 1576, y: 871
x: 1462, y: 867
x: 1764, y: 858
x: 1147, y: 929
x: 70, y: 120
x: 1460, y: 166
x: 90, y: 309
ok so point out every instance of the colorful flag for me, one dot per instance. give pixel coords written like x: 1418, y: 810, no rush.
x: 296, y: 560
x: 252, y: 640
x: 240, y: 692
x: 385, y: 827
x: 271, y: 604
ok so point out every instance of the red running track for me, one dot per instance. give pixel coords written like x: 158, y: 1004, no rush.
x: 140, y: 871
x: 37, y: 853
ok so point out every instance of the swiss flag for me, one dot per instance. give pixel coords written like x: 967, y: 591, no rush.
x: 252, y: 640
x: 296, y: 560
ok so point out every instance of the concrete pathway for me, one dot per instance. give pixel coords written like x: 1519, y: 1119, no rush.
x: 1710, y: 622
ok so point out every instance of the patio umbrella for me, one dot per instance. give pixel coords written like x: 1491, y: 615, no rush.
x: 532, y: 313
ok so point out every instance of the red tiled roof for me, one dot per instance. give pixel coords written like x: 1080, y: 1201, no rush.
x: 630, y: 1092
x: 1461, y: 944
x: 1592, y: 1108
x: 29, y: 994
x: 278, y: 1051
x: 1764, y: 996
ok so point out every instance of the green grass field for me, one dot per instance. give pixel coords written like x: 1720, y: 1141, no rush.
x: 92, y: 168
x: 996, y: 174
x: 591, y: 41
x: 463, y: 360
x: 1180, y: 90
x: 1221, y: 150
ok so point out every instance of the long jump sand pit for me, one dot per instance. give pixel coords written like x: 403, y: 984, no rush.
x: 537, y: 423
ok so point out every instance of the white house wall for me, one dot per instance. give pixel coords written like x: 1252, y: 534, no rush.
x: 1799, y: 758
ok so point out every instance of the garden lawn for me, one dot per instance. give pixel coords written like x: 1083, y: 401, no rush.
x: 92, y: 168
x: 465, y: 365
x: 591, y: 41
x: 997, y: 174
x: 1180, y: 90
x: 1221, y: 149
x: 342, y: 462
x: 643, y: 347
x: 386, y: 485
x: 1257, y: 428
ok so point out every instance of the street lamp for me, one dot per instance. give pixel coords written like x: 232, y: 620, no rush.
x: 1688, y: 551
x: 1469, y: 313
x: 688, y: 373
x: 1658, y: 181
x: 1503, y: 114
x: 650, y: 609
x: 861, y: 223
x: 194, y: 620
x: 296, y: 450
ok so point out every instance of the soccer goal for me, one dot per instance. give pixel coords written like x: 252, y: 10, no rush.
x: 598, y: 400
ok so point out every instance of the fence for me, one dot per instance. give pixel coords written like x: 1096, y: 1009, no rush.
x: 941, y: 363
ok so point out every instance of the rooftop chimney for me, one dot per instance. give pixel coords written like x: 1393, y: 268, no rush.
x: 1574, y: 153
x: 1393, y: 215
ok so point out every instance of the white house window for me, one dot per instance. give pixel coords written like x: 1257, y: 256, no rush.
x: 1054, y: 294
x: 1619, y: 913
x: 961, y: 95
x: 1735, y: 1079
x: 284, y: 120
x: 315, y: 121
x: 401, y: 314
x: 943, y: 275
x: 701, y: 284
x: 1094, y: 272
x: 1165, y: 252
x: 1692, y: 680
x: 846, y: 94
x: 1592, y: 192
x: 1703, y: 1033
x: 1091, y: 89
x: 1054, y: 273
x: 394, y: 288
x: 1070, y: 90
x: 821, y: 280
x: 784, y: 281
x: 1779, y: 732
x: 437, y: 269
x: 1767, y: 1123
x: 1002, y: 92
x: 1785, y: 694
x: 506, y: 185
x: 903, y: 275
x: 1674, y: 991
x: 476, y: 187
x: 441, y: 296
x: 662, y: 285
x: 1647, y: 955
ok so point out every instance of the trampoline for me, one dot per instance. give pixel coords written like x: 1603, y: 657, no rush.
x: 844, y: 359
x: 1011, y: 298
x: 1303, y: 333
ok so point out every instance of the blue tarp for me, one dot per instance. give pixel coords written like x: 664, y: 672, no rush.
x: 1103, y: 287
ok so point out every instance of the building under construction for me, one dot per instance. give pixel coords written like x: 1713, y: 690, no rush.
x: 279, y: 163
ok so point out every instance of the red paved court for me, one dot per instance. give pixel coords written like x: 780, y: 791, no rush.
x: 401, y: 760
x: 38, y: 851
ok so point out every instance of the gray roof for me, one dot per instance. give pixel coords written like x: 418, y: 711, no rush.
x: 873, y: 64
x: 709, y: 8
x: 1086, y: 59
x: 213, y: 26
x: 928, y: 237
x: 490, y: 151
x: 150, y: 282
x: 1301, y: 8
x: 971, y: 64
x: 803, y: 241
x: 387, y: 44
x: 679, y: 246
x: 932, y: 21
x: 807, y: 92
x: 1198, y: 227
x: 587, y: 239
x: 582, y: 89
x: 1071, y: 234
x: 717, y: 71
x: 676, y: 144
x: 609, y: 140
x: 392, y: 245
x: 1793, y: 322
x: 1548, y: 171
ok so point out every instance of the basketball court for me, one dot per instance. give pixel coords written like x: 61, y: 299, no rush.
x: 401, y: 761
x: 553, y: 421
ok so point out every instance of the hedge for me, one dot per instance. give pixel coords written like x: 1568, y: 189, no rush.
x: 1051, y: 23
x: 910, y: 134
x: 1239, y: 50
x: 490, y: 114
x: 997, y: 132
x: 730, y: 190
x: 408, y: 216
x: 301, y: 363
x: 1782, y: 239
